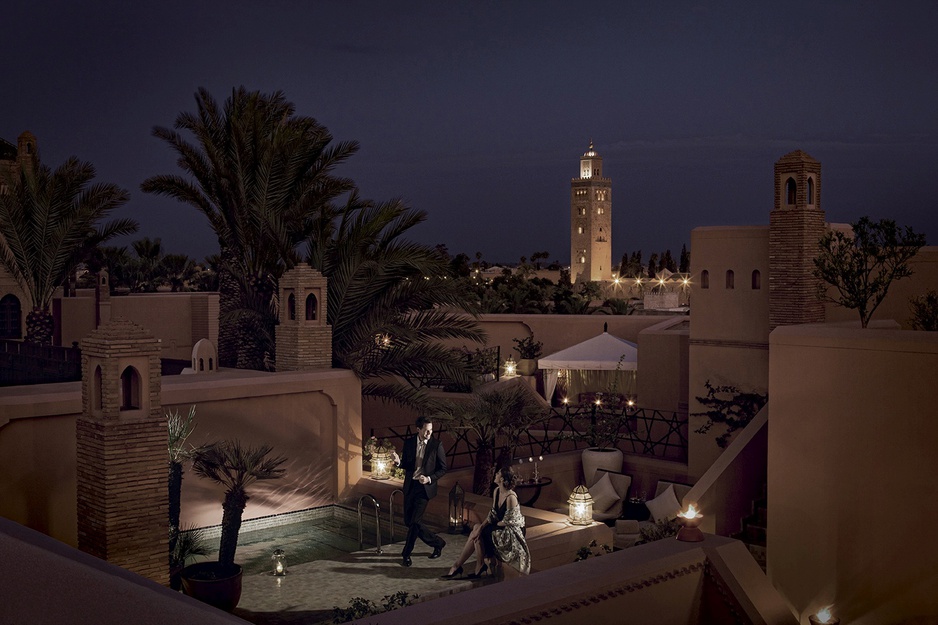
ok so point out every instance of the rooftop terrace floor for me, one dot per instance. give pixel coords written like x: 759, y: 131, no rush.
x: 325, y: 569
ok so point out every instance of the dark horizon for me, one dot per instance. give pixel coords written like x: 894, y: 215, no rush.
x: 477, y: 113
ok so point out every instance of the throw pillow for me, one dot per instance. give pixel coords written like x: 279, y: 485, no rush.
x: 664, y: 506
x: 604, y: 494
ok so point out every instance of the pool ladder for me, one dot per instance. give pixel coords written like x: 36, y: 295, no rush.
x: 377, y: 506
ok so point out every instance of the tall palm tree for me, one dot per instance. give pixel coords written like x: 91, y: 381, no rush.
x: 261, y: 174
x: 236, y: 468
x: 47, y: 219
x: 391, y: 302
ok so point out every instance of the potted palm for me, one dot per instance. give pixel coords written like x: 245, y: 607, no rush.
x: 498, y: 418
x: 182, y: 545
x: 235, y: 467
x: 529, y: 350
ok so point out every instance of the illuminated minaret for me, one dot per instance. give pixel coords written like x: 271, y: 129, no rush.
x: 590, y: 221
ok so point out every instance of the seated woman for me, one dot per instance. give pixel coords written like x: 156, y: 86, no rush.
x: 500, y: 536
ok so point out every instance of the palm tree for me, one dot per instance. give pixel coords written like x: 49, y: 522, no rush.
x: 236, y: 468
x: 390, y: 301
x: 261, y: 175
x: 179, y: 428
x: 47, y: 219
x: 497, y: 417
x: 179, y: 270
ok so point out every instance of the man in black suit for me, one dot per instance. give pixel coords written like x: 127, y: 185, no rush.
x: 424, y: 462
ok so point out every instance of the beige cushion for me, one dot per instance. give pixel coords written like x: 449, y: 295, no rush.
x: 604, y: 494
x: 664, y: 506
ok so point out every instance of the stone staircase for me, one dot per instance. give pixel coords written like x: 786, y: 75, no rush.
x: 755, y: 528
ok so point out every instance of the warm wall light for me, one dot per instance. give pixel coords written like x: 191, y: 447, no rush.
x: 823, y: 617
x: 690, y: 520
x: 581, y: 506
x: 280, y: 563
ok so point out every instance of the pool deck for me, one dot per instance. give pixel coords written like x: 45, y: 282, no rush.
x: 310, y: 590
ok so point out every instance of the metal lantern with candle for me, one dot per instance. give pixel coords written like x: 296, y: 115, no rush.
x: 457, y: 508
x: 280, y: 563
x: 690, y: 520
x: 511, y: 367
x: 380, y: 454
x: 381, y: 465
x: 581, y: 506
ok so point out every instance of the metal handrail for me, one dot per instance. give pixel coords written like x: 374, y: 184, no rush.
x: 391, y: 512
x: 361, y: 542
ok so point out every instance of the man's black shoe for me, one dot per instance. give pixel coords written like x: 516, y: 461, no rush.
x: 437, y: 552
x: 407, y: 561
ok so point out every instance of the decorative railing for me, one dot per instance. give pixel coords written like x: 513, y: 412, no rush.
x: 642, y: 431
x: 28, y: 363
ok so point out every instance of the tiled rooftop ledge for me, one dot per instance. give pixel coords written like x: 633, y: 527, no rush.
x: 85, y: 589
x: 714, y: 581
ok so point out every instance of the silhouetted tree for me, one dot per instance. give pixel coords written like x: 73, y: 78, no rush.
x: 684, y: 264
x: 861, y: 267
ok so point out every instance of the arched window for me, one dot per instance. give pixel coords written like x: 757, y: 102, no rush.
x: 756, y: 280
x: 291, y: 307
x: 311, y: 307
x: 810, y: 190
x: 211, y: 364
x: 10, y: 316
x: 201, y: 364
x: 130, y: 389
x: 730, y: 279
x: 705, y: 279
x: 790, y: 188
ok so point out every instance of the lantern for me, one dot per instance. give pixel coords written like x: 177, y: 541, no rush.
x: 457, y: 508
x: 280, y: 563
x: 511, y: 367
x: 690, y: 532
x: 581, y: 506
x: 380, y: 465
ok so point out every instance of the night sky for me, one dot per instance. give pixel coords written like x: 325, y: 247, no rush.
x: 477, y: 112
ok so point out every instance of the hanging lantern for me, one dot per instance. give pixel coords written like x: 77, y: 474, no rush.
x: 380, y: 465
x: 457, y: 508
x: 581, y: 506
x: 280, y: 563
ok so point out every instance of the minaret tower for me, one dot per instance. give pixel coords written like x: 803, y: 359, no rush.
x: 590, y: 221
x: 796, y: 224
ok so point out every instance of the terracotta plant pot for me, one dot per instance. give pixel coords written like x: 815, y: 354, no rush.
x: 526, y: 366
x: 213, y: 583
x: 595, y: 458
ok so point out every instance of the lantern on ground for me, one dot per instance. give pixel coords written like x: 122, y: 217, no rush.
x: 280, y: 563
x: 511, y: 367
x: 581, y: 506
x: 457, y: 508
x: 380, y: 465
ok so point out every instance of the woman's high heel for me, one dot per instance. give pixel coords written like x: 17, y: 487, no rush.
x: 453, y: 575
x: 485, y: 567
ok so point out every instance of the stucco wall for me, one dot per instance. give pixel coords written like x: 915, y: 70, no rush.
x: 851, y: 468
x: 177, y: 319
x: 312, y: 418
x: 662, y: 365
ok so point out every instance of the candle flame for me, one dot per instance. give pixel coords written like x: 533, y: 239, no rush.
x: 691, y: 512
x: 824, y: 615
